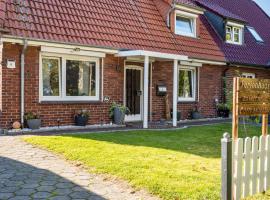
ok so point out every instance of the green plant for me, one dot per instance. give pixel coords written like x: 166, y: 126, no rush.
x: 114, y: 105
x: 31, y: 115
x: 82, y: 113
x: 223, y: 106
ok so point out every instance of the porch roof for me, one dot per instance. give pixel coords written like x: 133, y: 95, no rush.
x: 135, y: 53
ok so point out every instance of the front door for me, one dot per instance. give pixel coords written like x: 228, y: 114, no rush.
x: 133, y: 93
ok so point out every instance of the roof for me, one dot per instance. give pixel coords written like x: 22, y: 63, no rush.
x: 217, y: 9
x: 119, y: 24
x: 2, y: 12
x: 251, y: 52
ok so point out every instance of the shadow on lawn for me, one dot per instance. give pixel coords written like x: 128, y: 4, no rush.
x: 201, y: 141
x: 25, y: 181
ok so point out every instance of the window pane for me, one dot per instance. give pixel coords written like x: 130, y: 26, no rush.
x: 229, y: 33
x: 236, y: 35
x: 50, y: 76
x: 81, y: 78
x: 184, y: 25
x: 255, y: 34
x: 185, y: 84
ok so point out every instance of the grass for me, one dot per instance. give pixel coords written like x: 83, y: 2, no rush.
x: 179, y: 164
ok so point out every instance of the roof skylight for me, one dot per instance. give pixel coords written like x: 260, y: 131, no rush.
x: 255, y: 34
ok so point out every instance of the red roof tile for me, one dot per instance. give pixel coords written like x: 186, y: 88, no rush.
x: 120, y: 24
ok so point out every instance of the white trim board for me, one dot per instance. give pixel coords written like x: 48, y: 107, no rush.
x: 72, y: 51
x: 153, y: 54
x: 37, y: 42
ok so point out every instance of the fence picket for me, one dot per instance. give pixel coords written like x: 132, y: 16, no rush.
x: 267, y: 171
x: 254, y: 168
x: 247, y: 165
x: 262, y: 164
x: 238, y: 168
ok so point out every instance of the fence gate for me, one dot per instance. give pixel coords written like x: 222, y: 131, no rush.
x: 246, y: 162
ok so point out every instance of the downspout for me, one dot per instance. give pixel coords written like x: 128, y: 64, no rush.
x: 169, y: 14
x: 22, y: 80
x: 1, y: 71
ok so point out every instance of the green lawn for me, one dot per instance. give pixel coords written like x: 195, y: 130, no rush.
x: 179, y: 164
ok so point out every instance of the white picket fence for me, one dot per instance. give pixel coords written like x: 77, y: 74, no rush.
x: 251, y: 166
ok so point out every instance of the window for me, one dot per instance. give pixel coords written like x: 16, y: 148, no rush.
x: 248, y: 75
x: 255, y: 34
x: 69, y: 79
x: 51, y: 76
x: 234, y: 33
x: 185, y: 24
x: 81, y: 78
x: 187, y: 86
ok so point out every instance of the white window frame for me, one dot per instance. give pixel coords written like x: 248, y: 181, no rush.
x: 62, y: 79
x: 235, y: 26
x: 192, y: 17
x: 194, y: 84
x: 247, y: 75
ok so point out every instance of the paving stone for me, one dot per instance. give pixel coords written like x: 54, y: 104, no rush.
x: 60, y: 198
x: 48, y: 183
x: 27, y: 172
x: 8, y: 189
x: 62, y: 191
x: 21, y: 198
x: 30, y: 186
x: 27, y: 192
x: 45, y: 188
x: 4, y: 196
x: 41, y: 195
x: 64, y: 185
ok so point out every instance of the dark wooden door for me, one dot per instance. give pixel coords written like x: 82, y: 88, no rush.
x: 133, y: 91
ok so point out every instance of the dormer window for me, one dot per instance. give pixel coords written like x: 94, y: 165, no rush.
x: 185, y: 24
x: 234, y: 33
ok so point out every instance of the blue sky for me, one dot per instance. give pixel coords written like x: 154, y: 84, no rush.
x: 265, y: 4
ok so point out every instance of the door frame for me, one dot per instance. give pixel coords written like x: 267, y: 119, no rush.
x: 134, y: 118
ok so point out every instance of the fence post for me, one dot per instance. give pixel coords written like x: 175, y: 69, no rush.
x: 226, y: 167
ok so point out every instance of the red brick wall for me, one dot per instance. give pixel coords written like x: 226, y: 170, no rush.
x: 210, y: 88
x: 51, y: 112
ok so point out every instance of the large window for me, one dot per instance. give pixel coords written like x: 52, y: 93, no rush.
x: 234, y: 34
x: 185, y: 24
x: 187, y: 84
x: 69, y: 79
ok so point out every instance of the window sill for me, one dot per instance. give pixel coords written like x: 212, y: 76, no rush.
x: 186, y: 35
x: 186, y: 101
x: 70, y: 102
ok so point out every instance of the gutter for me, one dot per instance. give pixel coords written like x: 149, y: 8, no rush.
x: 25, y: 45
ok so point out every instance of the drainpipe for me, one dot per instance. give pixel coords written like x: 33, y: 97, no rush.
x: 169, y: 13
x: 22, y: 80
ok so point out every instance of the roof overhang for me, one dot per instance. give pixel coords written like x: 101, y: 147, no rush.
x: 152, y: 54
x: 37, y: 42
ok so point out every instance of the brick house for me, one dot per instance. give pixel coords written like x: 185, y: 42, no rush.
x: 60, y: 56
